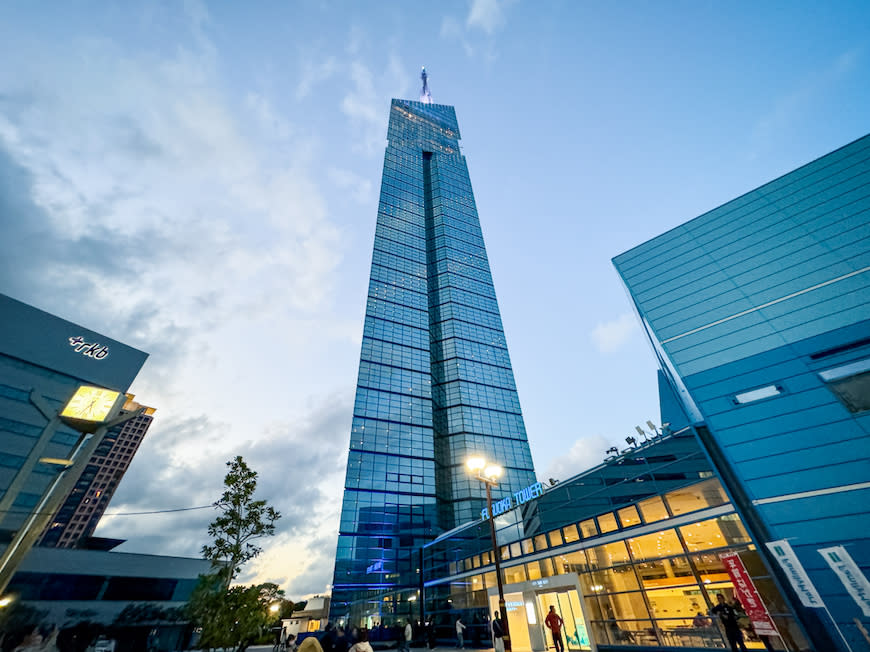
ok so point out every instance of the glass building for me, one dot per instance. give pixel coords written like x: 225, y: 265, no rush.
x: 759, y: 314
x: 44, y: 358
x: 435, y: 380
x: 630, y: 554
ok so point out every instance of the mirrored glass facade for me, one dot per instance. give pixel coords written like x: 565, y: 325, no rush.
x: 435, y: 381
x: 759, y: 314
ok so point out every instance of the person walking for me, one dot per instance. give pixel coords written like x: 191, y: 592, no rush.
x: 460, y: 628
x: 496, y: 626
x: 729, y: 616
x: 407, y: 635
x: 554, y: 622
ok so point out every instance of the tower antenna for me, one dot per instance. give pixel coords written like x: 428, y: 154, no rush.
x: 425, y: 95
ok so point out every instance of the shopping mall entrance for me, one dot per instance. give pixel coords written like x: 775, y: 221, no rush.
x: 527, y: 605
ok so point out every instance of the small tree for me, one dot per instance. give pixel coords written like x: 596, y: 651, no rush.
x: 234, y: 616
x: 242, y: 520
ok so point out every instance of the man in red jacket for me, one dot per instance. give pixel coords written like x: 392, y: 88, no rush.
x: 554, y: 622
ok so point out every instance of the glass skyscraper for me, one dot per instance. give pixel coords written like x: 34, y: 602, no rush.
x: 435, y: 380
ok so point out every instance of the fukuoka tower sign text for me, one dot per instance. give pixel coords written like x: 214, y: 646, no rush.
x: 515, y: 500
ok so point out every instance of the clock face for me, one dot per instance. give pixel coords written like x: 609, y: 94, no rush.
x: 90, y: 404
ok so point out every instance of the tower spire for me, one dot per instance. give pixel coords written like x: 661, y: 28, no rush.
x: 425, y: 95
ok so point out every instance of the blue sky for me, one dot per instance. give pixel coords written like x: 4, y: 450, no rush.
x: 200, y: 180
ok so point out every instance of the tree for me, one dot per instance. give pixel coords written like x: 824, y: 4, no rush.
x: 237, y: 616
x: 234, y: 618
x: 242, y: 520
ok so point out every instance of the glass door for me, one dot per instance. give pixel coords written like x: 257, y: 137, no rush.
x: 567, y: 605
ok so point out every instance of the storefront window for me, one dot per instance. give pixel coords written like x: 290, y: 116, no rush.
x: 625, y: 632
x: 628, y: 516
x: 555, y: 538
x: 527, y: 546
x: 533, y: 570
x: 607, y: 523
x: 515, y: 574
x: 714, y: 533
x: 625, y: 606
x: 665, y: 572
x: 489, y: 580
x: 678, y: 602
x: 653, y: 509
x: 607, y: 555
x: 570, y: 533
x: 709, y: 567
x: 541, y: 542
x: 618, y: 578
x: 698, y: 496
x: 588, y: 528
x: 657, y: 544
x: 572, y: 562
x: 505, y: 553
x: 515, y: 550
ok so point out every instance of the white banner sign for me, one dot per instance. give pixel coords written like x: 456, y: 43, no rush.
x: 850, y: 575
x: 796, y: 574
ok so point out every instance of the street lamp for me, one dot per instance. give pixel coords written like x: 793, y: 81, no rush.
x: 489, y: 473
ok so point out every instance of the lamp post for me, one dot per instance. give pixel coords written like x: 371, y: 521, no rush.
x: 489, y: 474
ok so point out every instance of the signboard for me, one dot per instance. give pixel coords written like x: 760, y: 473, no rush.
x: 795, y: 573
x: 850, y: 575
x: 746, y: 592
x: 515, y: 500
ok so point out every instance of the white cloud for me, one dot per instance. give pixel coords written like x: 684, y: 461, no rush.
x: 153, y: 208
x: 360, y: 188
x: 487, y: 15
x: 610, y: 336
x: 315, y: 73
x: 586, y: 453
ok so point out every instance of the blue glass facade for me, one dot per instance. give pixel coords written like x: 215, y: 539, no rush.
x: 40, y: 353
x: 759, y: 314
x: 435, y: 380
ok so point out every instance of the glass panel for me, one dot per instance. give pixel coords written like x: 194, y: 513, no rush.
x: 555, y: 538
x: 714, y: 533
x: 572, y: 562
x: 546, y: 566
x: 475, y: 561
x: 607, y: 523
x: 489, y: 580
x: 514, y: 574
x: 526, y: 545
x: 619, y: 578
x: 588, y: 528
x: 698, y: 632
x: 657, y: 544
x: 571, y: 533
x: 628, y: 516
x: 505, y: 553
x: 477, y: 581
x: 515, y: 550
x: 678, y: 602
x: 698, y: 496
x: 665, y: 572
x: 541, y: 542
x: 625, y: 632
x: 710, y: 568
x: 607, y: 555
x: 575, y: 626
x: 653, y: 509
x: 625, y: 606
x: 486, y: 557
x: 533, y: 570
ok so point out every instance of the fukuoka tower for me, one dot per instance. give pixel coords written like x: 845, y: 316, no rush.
x: 435, y: 380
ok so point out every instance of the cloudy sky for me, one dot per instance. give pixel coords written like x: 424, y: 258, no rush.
x: 200, y: 180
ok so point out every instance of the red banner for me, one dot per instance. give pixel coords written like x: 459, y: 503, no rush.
x: 746, y: 592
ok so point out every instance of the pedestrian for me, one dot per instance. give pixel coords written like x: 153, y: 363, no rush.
x: 407, y: 635
x: 554, y: 622
x: 460, y: 628
x: 362, y: 645
x: 496, y: 627
x: 729, y: 617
